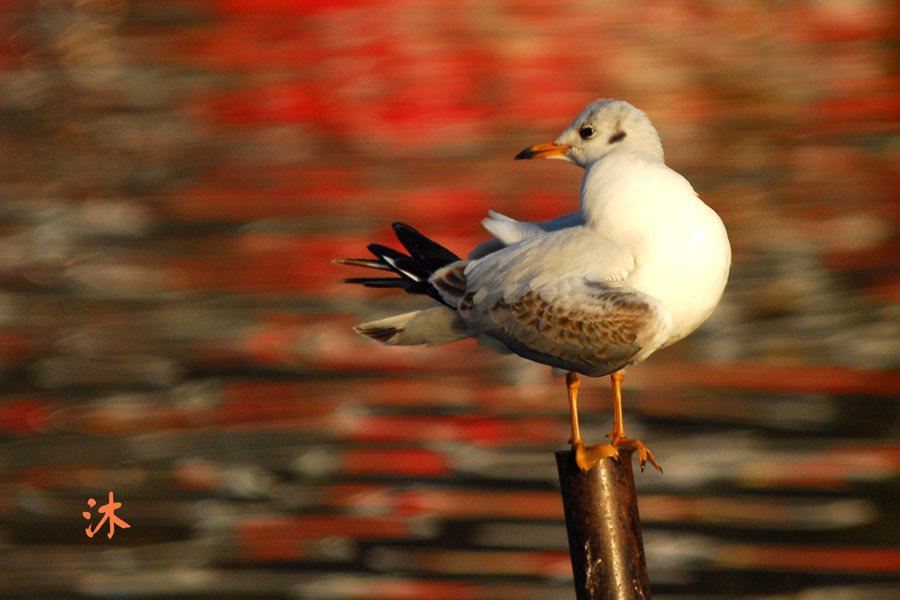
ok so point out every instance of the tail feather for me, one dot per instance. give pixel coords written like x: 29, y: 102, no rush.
x: 431, y: 326
x: 425, y: 257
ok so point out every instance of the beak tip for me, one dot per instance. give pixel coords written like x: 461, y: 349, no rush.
x: 549, y: 149
x: 524, y: 154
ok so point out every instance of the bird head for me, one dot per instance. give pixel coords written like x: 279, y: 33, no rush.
x: 603, y: 127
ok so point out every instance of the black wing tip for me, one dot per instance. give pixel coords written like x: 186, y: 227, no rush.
x: 380, y: 250
x: 377, y: 282
x: 423, y: 248
x: 414, y: 270
x: 399, y: 226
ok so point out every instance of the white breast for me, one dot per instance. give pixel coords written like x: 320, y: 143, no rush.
x: 680, y: 246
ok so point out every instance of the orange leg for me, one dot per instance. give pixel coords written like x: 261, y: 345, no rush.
x: 619, y: 440
x: 586, y: 457
x: 618, y: 430
x: 572, y: 385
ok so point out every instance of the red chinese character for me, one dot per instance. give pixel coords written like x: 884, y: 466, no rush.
x: 108, y: 511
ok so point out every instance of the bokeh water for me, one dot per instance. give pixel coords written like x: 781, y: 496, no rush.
x: 176, y: 177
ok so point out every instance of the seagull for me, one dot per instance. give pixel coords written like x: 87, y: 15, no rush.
x: 638, y: 267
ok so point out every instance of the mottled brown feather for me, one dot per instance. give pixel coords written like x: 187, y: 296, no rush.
x: 602, y: 331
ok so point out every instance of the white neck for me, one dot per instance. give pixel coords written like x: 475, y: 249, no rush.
x: 617, y: 190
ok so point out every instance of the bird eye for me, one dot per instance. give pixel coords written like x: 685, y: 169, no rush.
x: 586, y: 132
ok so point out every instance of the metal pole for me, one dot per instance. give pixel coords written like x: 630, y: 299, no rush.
x: 604, y: 529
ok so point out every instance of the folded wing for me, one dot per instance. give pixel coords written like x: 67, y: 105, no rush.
x: 584, y: 320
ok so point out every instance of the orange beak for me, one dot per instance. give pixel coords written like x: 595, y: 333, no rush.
x: 544, y: 150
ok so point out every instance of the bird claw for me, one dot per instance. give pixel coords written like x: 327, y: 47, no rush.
x: 643, y: 452
x: 588, y: 457
x: 645, y: 456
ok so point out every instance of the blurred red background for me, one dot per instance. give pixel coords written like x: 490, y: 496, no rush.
x: 177, y: 176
